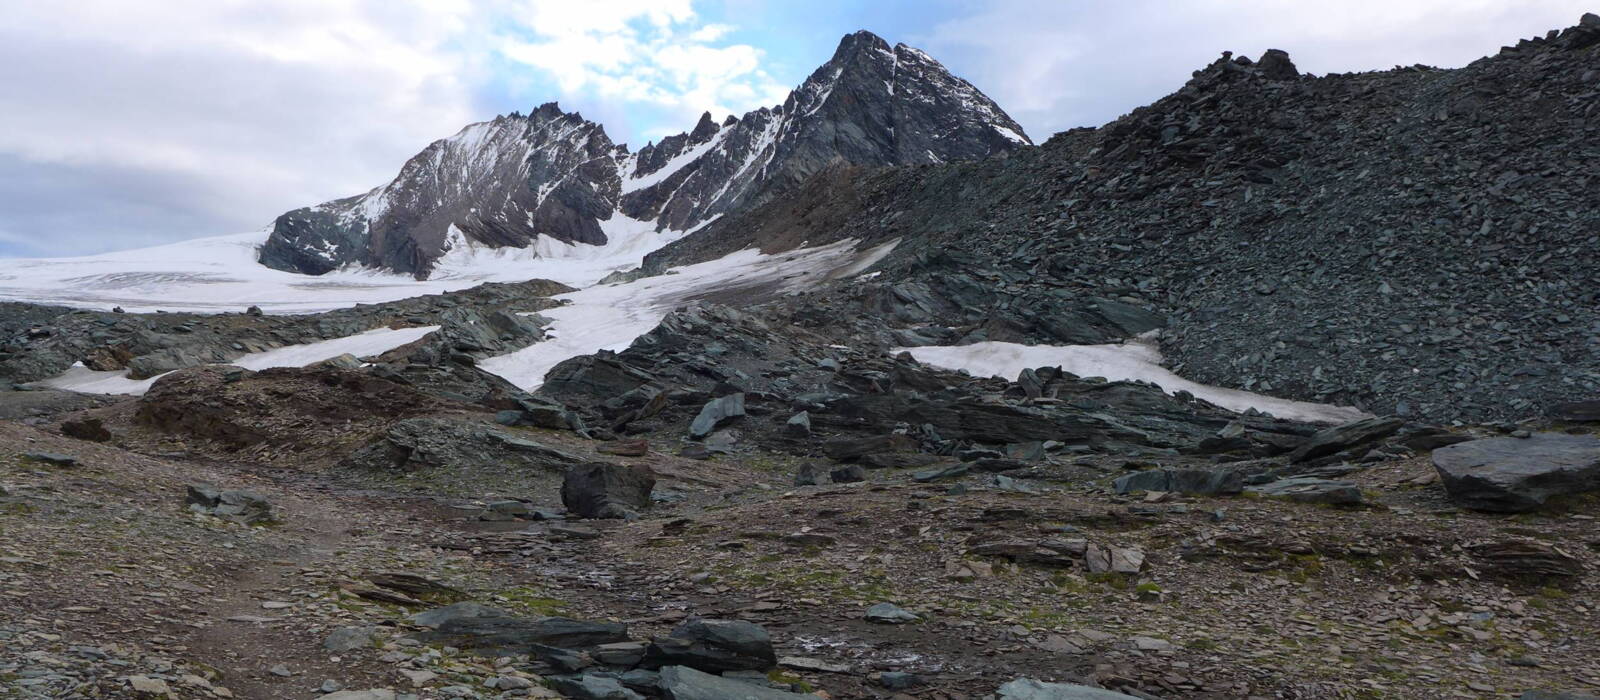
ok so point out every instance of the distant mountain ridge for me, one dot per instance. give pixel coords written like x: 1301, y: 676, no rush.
x: 508, y: 181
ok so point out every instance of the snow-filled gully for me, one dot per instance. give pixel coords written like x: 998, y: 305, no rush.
x: 609, y: 317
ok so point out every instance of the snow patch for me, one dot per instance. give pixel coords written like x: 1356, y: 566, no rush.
x: 1135, y: 360
x: 372, y: 342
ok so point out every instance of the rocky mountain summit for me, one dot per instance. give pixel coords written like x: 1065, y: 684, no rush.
x: 553, y: 174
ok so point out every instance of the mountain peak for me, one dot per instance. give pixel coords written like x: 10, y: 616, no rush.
x: 508, y: 182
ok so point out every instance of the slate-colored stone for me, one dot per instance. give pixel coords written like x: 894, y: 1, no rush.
x: 1203, y: 482
x: 684, y: 683
x: 91, y: 429
x: 1343, y: 437
x: 499, y: 634
x: 715, y: 646
x: 1515, y: 475
x: 605, y: 490
x: 1311, y: 490
x: 715, y: 413
x: 591, y: 686
x: 1030, y: 689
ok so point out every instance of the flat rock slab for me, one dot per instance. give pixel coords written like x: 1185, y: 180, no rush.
x: 1311, y: 490
x: 1343, y: 437
x: 684, y: 683
x: 1030, y: 689
x: 1205, y: 482
x: 1517, y: 475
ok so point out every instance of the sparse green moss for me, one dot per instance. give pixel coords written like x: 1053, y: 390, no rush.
x: 795, y: 682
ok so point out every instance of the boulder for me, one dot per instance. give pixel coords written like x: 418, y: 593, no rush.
x: 890, y: 614
x: 848, y: 474
x: 798, y: 425
x: 455, y: 611
x: 349, y: 638
x: 1310, y: 490
x: 372, y: 694
x: 1576, y: 412
x: 54, y: 458
x: 1525, y: 559
x: 713, y: 645
x: 590, y: 686
x: 1204, y: 482
x: 812, y: 474
x: 503, y: 635
x: 1515, y: 475
x: 931, y: 475
x: 853, y: 449
x: 1343, y: 437
x: 1030, y: 689
x: 246, y: 507
x: 604, y: 490
x: 91, y: 429
x: 684, y: 683
x: 716, y: 412
x: 1116, y: 560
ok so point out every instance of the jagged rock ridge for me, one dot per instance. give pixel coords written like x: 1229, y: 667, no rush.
x: 508, y: 181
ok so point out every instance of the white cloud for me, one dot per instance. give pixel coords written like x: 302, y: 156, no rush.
x: 129, y: 123
x: 651, y: 53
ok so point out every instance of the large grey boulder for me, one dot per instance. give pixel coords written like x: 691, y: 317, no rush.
x: 715, y: 646
x: 715, y: 413
x: 506, y: 635
x: 1516, y: 475
x: 592, y: 687
x: 1030, y: 689
x: 1576, y: 411
x: 435, y: 617
x: 245, y: 507
x: 684, y: 683
x: 1343, y: 437
x: 1206, y: 482
x: 605, y: 490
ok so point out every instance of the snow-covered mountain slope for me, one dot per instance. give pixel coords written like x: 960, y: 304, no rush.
x: 221, y: 273
x: 553, y: 178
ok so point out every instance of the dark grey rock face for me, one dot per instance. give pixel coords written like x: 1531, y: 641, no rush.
x: 1343, y: 437
x: 504, y: 182
x: 492, y: 633
x: 605, y: 490
x: 684, y: 683
x: 1030, y: 689
x: 871, y: 104
x: 1311, y: 490
x: 1514, y: 475
x: 496, y: 183
x: 1190, y: 481
x: 714, y: 646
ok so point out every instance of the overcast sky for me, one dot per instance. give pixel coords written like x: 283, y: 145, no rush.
x: 125, y: 124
